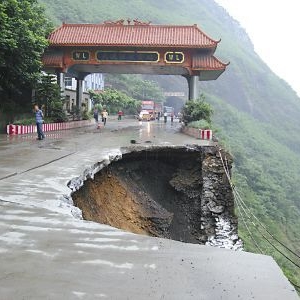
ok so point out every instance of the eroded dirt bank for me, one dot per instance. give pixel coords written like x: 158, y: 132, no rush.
x: 179, y: 193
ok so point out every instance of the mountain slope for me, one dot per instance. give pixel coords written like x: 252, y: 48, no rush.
x: 258, y: 112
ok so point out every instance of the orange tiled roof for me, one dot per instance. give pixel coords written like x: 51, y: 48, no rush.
x: 131, y: 35
x: 51, y: 59
x: 207, y: 63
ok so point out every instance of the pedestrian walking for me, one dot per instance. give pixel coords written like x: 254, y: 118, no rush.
x: 172, y: 117
x: 96, y: 115
x: 165, y: 117
x: 39, y: 116
x: 120, y: 114
x: 104, y: 116
x: 180, y: 117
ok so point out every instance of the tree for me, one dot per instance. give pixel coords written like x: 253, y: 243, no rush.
x: 147, y: 90
x: 48, y: 95
x: 135, y: 87
x: 23, y: 32
x: 195, y: 110
x: 113, y: 100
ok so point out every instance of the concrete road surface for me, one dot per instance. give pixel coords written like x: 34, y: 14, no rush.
x: 48, y: 252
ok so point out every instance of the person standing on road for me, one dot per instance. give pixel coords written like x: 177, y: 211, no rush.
x: 180, y: 117
x: 165, y: 117
x: 104, y: 116
x: 120, y: 114
x: 96, y: 115
x: 39, y: 122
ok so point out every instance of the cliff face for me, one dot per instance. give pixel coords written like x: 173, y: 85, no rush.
x: 177, y: 193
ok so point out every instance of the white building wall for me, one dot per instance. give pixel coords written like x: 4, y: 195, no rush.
x: 93, y: 81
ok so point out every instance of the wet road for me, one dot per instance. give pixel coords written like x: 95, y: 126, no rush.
x: 20, y: 153
x: 48, y: 253
x: 41, y: 169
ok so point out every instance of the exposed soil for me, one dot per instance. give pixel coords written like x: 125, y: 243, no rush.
x: 158, y: 192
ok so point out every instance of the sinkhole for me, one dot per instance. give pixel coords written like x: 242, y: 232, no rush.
x: 180, y: 193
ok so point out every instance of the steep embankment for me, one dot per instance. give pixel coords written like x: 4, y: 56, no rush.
x: 258, y: 113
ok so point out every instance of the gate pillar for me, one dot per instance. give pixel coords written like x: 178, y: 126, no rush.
x: 193, y: 87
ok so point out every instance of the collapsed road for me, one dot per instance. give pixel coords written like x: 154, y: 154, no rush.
x: 180, y: 193
x: 49, y: 252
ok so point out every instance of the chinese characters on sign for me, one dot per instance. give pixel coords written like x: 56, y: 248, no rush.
x: 174, y: 57
x: 80, y: 55
x: 128, y: 56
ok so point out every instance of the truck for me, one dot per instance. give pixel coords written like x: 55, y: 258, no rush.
x: 149, y: 106
x: 150, y: 110
x: 147, y: 110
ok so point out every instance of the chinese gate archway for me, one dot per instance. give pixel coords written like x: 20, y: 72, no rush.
x: 133, y: 48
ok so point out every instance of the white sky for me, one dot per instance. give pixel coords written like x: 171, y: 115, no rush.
x: 274, y: 28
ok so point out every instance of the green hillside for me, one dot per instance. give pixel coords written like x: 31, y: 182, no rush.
x: 258, y: 113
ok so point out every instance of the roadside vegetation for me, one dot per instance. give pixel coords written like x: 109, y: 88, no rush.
x: 113, y: 101
x: 135, y: 86
x: 48, y: 96
x: 125, y: 92
x: 24, y: 28
x: 197, y: 113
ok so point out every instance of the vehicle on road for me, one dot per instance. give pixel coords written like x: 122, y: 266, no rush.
x: 145, y: 116
x: 148, y: 105
x: 147, y: 111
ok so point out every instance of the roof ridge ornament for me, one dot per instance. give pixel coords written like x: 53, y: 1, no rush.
x: 129, y: 22
x: 118, y: 22
x: 137, y: 22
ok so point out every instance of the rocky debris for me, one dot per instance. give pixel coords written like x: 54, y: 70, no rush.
x: 225, y: 236
x: 180, y: 193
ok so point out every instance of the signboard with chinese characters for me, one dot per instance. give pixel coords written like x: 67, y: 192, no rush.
x: 128, y: 56
x: 174, y: 57
x: 81, y: 55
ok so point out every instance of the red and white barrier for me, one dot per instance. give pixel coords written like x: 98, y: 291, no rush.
x: 205, y: 134
x: 202, y: 134
x: 25, y: 129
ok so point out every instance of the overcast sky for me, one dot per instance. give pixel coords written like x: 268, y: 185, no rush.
x: 274, y: 28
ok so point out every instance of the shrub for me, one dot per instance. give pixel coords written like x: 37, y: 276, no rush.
x: 31, y: 121
x: 201, y: 124
x: 87, y: 115
x: 195, y: 110
x: 28, y: 121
